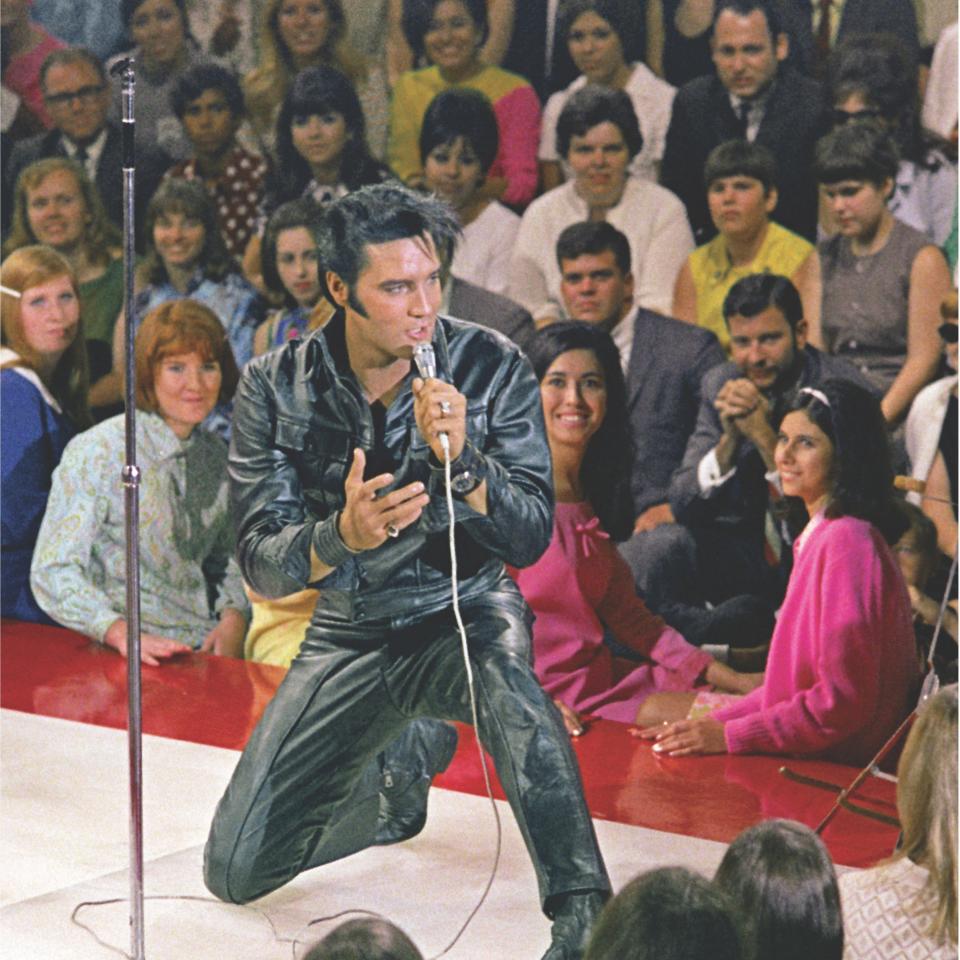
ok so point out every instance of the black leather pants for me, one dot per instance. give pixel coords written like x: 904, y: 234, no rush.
x: 305, y: 790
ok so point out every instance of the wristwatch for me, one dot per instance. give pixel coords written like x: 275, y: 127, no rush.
x: 468, y: 471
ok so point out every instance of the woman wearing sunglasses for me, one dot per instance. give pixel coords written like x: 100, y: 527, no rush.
x: 931, y: 437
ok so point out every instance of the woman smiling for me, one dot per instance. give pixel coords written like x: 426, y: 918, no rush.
x: 191, y: 590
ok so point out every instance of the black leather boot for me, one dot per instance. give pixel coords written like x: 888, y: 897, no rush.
x: 410, y: 763
x: 573, y: 921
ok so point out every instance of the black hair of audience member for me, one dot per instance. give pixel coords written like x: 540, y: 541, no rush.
x: 592, y: 237
x: 666, y: 914
x: 741, y: 158
x: 129, y: 7
x: 369, y: 938
x: 461, y: 113
x: 609, y: 459
x: 743, y: 8
x: 190, y: 198
x: 760, y: 291
x: 378, y: 214
x: 195, y: 81
x: 302, y: 212
x: 65, y: 56
x: 856, y: 151
x: 862, y: 467
x: 880, y: 69
x: 317, y: 91
x: 626, y: 18
x: 593, y: 105
x: 418, y: 14
x: 927, y: 804
x: 783, y: 886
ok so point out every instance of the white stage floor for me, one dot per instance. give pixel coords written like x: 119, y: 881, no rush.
x: 64, y: 840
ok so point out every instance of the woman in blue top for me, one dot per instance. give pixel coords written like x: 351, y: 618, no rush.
x: 291, y: 272
x: 187, y: 257
x: 43, y: 402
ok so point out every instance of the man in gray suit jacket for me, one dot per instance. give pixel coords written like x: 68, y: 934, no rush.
x: 467, y: 301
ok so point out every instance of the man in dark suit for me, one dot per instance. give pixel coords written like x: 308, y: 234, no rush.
x: 812, y: 40
x: 467, y: 301
x: 725, y: 544
x: 663, y: 362
x: 751, y: 96
x: 76, y: 91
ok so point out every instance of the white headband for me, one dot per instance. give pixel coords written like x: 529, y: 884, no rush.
x: 817, y: 395
x: 13, y: 293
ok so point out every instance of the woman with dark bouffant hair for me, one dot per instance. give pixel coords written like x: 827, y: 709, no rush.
x: 842, y: 671
x: 296, y: 35
x: 43, y: 403
x: 873, y: 77
x: 907, y: 906
x: 783, y: 887
x: 666, y: 914
x: 191, y: 591
x: 581, y: 589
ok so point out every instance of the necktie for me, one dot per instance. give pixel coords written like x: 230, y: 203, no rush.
x: 823, y: 38
x: 743, y: 119
x: 81, y: 158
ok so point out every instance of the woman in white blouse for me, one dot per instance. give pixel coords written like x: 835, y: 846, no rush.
x: 598, y: 135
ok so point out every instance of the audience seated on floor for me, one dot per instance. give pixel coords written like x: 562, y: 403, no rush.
x: 765, y: 103
x: 842, y: 672
x: 781, y: 881
x: 191, y: 591
x: 603, y: 37
x: 727, y: 543
x: 76, y: 91
x: 163, y: 49
x: 926, y: 572
x: 931, y: 438
x: 907, y: 907
x: 580, y: 590
x: 294, y: 35
x: 458, y: 144
x: 208, y: 101
x: 597, y: 133
x: 56, y: 204
x: 452, y: 33
x: 882, y: 280
x: 874, y: 77
x: 186, y: 257
x: 740, y: 179
x: 667, y: 914
x: 320, y: 146
x: 370, y: 938
x: 43, y: 403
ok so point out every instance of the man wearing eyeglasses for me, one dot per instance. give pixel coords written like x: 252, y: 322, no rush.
x: 76, y: 92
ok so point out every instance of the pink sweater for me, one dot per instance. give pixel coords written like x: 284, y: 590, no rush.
x: 579, y: 587
x: 842, y: 671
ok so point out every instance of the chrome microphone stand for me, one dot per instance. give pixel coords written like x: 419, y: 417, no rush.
x: 131, y: 484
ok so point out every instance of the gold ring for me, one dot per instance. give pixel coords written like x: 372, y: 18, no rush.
x: 444, y: 407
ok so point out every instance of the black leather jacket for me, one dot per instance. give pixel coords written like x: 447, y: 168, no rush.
x: 299, y: 413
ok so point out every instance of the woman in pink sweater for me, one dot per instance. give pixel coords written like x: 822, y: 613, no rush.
x: 581, y: 588
x: 842, y: 671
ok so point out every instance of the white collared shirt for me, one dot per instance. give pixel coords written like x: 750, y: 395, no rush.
x: 94, y: 151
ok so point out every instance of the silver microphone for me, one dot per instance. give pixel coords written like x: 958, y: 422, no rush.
x: 426, y: 361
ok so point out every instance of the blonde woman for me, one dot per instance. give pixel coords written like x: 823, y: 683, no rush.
x: 55, y: 203
x: 915, y: 893
x: 43, y: 402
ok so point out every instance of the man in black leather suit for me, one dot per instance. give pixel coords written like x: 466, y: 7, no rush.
x: 337, y: 483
